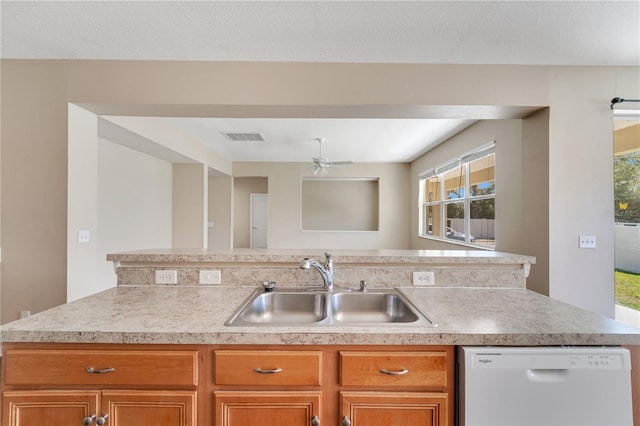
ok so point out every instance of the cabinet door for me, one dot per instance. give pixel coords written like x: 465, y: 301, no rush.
x: 26, y: 408
x: 135, y: 408
x: 249, y: 408
x: 394, y: 408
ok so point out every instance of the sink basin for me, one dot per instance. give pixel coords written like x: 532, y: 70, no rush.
x: 371, y: 308
x: 301, y: 307
x: 283, y: 308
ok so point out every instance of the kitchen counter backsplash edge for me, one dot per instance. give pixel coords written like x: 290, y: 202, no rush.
x: 380, y: 268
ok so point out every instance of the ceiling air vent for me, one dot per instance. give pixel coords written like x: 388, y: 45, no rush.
x: 244, y: 137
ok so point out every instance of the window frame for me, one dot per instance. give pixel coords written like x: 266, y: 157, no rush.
x: 440, y: 171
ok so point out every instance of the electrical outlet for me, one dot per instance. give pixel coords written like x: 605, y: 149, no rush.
x: 423, y: 278
x: 209, y: 277
x: 587, y: 241
x: 167, y: 276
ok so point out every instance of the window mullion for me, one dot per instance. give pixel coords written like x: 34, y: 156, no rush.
x: 467, y: 205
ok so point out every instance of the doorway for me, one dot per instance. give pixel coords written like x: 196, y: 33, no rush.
x: 626, y: 163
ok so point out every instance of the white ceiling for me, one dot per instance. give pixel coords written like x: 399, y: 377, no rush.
x: 460, y: 32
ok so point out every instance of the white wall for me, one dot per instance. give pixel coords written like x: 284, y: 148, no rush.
x: 82, y: 202
x: 122, y: 197
x: 134, y: 205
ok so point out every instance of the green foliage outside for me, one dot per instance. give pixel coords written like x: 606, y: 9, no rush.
x: 628, y: 289
x: 626, y: 170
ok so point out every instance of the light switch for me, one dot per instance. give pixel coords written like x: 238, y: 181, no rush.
x: 83, y: 236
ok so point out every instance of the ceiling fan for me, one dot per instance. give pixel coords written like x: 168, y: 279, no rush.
x: 321, y: 164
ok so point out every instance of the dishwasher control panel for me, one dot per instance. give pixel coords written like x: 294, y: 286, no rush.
x: 564, y: 359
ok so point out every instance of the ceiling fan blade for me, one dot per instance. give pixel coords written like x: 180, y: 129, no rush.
x: 338, y: 163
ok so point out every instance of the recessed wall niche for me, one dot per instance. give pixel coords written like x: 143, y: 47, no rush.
x: 340, y: 204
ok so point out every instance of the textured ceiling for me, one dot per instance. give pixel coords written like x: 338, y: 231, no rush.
x: 460, y: 32
x: 463, y: 32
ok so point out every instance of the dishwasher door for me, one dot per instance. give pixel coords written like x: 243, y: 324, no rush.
x: 544, y: 386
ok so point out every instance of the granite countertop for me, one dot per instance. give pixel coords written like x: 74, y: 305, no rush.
x: 196, y: 315
x: 340, y: 256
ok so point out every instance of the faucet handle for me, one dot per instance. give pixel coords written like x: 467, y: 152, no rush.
x: 269, y: 286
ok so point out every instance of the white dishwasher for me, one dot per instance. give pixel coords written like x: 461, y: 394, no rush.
x: 544, y: 386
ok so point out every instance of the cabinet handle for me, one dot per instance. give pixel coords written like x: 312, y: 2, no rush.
x: 394, y: 373
x: 346, y: 421
x: 315, y: 421
x: 92, y: 370
x: 88, y: 420
x: 100, y: 421
x: 261, y: 371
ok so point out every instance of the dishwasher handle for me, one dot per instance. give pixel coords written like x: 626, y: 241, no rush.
x: 547, y: 375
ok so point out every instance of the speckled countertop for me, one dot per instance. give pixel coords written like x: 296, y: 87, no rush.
x: 340, y: 256
x: 196, y: 315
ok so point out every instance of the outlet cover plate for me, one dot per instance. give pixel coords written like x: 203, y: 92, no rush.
x: 421, y: 278
x: 587, y: 242
x: 209, y: 277
x: 167, y: 276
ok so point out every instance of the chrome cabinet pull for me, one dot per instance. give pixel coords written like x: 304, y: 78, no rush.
x: 346, y: 421
x: 100, y: 421
x: 261, y: 371
x: 88, y: 420
x: 394, y: 373
x: 315, y: 421
x: 92, y: 370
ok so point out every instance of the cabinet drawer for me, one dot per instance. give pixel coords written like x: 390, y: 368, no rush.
x: 394, y: 369
x: 293, y: 368
x: 101, y: 367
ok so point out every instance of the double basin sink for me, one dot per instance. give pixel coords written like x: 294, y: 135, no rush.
x: 301, y: 307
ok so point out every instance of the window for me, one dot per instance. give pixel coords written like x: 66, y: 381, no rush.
x: 457, y: 199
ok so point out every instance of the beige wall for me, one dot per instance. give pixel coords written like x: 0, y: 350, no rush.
x: 189, y: 211
x: 243, y: 187
x: 521, y: 187
x: 219, y: 199
x: 285, y: 204
x: 34, y: 205
x: 348, y: 204
x: 35, y: 95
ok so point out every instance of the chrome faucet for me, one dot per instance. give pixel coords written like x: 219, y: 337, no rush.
x: 326, y: 271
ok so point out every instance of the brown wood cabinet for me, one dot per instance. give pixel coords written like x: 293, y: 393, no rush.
x: 280, y: 387
x: 373, y: 408
x: 227, y: 385
x: 396, y: 387
x: 75, y: 385
x: 333, y: 385
x: 119, y: 408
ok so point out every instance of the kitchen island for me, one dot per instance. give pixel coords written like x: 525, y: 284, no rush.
x: 164, y: 351
x: 196, y: 315
x: 167, y: 347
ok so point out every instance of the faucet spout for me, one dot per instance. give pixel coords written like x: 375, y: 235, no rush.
x: 326, y: 270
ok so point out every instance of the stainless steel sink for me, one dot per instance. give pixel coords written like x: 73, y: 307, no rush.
x: 282, y: 308
x: 301, y: 307
x: 373, y: 308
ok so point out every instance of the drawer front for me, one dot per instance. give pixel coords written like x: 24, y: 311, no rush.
x: 394, y: 369
x: 268, y: 368
x: 101, y: 367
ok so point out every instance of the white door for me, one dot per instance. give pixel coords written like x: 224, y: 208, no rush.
x: 258, y: 225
